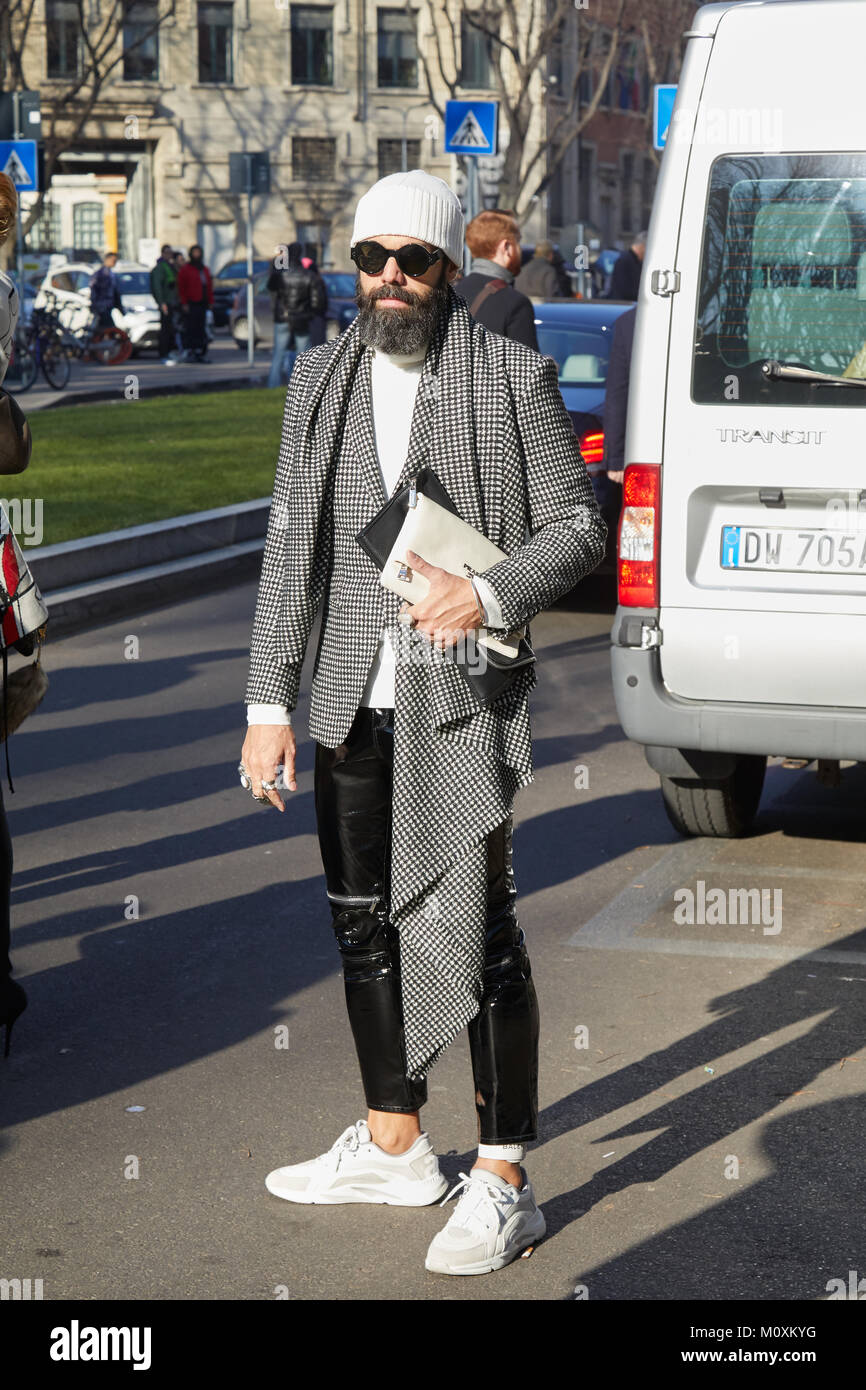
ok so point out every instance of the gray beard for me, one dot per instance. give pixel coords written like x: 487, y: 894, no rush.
x: 400, y: 330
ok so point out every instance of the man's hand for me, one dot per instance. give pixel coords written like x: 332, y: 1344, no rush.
x: 266, y: 746
x: 616, y: 475
x: 450, y: 608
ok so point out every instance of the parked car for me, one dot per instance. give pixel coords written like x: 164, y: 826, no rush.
x: 226, y: 284
x: 342, y: 308
x: 578, y: 335
x: 67, y: 288
x: 742, y: 552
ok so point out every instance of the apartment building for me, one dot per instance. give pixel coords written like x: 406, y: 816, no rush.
x: 335, y: 93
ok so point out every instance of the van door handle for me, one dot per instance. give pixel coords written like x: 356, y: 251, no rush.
x: 665, y: 282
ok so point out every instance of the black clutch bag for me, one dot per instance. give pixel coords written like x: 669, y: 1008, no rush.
x: 487, y: 671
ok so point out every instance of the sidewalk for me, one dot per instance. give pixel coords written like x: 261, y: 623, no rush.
x: 227, y: 370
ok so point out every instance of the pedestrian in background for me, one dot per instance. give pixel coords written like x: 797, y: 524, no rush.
x: 105, y: 291
x: 565, y: 288
x: 493, y: 239
x: 625, y: 280
x: 319, y: 322
x: 299, y: 296
x: 616, y: 394
x: 195, y: 289
x: 163, y: 287
x: 539, y: 278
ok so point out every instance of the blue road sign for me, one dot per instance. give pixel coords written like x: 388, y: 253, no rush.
x: 663, y: 105
x: 471, y: 127
x: 18, y: 162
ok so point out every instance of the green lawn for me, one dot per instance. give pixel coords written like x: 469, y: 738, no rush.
x: 104, y: 466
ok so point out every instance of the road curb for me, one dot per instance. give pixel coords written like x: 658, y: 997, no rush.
x: 168, y: 389
x: 120, y: 572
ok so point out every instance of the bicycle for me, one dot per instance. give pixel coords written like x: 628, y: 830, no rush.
x: 40, y: 344
x: 104, y: 344
x: 109, y: 346
x: 23, y: 367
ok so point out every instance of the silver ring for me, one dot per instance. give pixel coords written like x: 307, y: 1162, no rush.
x: 263, y: 800
x: 268, y: 786
x: 245, y: 779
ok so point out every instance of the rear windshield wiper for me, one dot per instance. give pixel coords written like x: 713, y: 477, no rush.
x: 783, y: 371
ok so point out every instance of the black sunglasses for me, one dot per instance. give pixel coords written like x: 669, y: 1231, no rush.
x: 413, y: 259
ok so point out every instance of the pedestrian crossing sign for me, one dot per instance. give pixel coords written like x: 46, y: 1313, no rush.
x: 471, y: 127
x: 664, y: 96
x: 18, y: 162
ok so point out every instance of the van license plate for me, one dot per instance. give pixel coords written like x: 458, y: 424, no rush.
x: 803, y: 550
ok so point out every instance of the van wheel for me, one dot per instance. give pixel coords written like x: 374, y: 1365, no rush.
x: 724, y: 807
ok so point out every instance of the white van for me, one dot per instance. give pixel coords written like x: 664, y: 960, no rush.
x: 741, y: 626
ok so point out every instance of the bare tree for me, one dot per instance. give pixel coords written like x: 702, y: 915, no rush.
x: 67, y: 111
x: 522, y: 34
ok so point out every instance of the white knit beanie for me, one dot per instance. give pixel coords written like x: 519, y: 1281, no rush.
x: 413, y: 204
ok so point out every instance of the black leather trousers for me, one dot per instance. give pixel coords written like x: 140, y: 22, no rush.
x: 353, y: 812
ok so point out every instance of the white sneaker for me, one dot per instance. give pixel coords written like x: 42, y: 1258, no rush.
x: 493, y: 1223
x: 356, y: 1170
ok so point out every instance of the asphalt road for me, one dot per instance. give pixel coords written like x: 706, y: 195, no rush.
x: 705, y: 1142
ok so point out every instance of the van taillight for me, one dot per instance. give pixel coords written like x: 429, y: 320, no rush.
x: 592, y: 447
x: 637, y: 543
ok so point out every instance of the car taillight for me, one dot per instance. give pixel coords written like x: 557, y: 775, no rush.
x: 637, y: 543
x: 592, y: 447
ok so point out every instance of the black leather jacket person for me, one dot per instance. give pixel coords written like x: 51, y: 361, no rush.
x: 300, y: 295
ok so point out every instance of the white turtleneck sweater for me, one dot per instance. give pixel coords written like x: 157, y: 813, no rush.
x: 395, y: 380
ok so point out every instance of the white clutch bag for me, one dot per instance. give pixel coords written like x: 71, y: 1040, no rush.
x: 422, y: 517
x: 448, y: 541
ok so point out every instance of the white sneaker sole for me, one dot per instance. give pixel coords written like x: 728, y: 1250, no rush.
x: 420, y: 1194
x: 438, y: 1265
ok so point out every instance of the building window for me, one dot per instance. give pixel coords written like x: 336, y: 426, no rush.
x: 313, y: 45
x: 555, y: 197
x: 391, y: 156
x: 315, y: 240
x: 476, y: 51
x: 215, y: 43
x: 45, y: 233
x: 141, y: 41
x: 591, y: 72
x: 647, y: 191
x: 627, y: 187
x: 584, y: 184
x: 88, y: 227
x: 398, y: 53
x: 123, y: 248
x: 313, y: 159
x: 630, y: 67
x: 63, y: 38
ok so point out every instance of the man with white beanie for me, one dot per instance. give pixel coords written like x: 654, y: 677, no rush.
x: 414, y: 779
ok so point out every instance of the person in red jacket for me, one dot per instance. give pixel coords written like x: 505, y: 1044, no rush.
x: 195, y: 289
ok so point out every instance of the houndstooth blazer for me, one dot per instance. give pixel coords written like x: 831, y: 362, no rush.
x: 538, y: 506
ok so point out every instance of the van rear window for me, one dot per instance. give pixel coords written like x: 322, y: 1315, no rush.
x: 783, y: 279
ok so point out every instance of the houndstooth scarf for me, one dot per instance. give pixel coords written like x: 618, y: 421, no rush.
x: 454, y: 777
